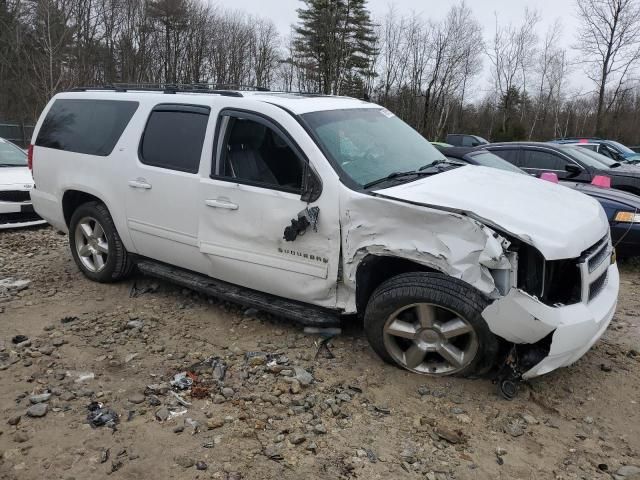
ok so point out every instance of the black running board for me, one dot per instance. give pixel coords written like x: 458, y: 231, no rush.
x: 307, y: 315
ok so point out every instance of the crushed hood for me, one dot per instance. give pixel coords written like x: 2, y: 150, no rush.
x: 18, y: 178
x: 558, y: 221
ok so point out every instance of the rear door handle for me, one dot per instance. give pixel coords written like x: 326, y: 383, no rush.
x: 221, y: 203
x: 140, y: 183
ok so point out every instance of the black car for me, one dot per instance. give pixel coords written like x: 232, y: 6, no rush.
x: 569, y: 162
x: 622, y: 208
x: 464, y: 140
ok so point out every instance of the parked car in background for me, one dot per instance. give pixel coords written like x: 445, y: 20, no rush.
x: 622, y: 208
x: 463, y: 140
x: 609, y: 148
x: 569, y: 162
x: 319, y: 208
x: 440, y: 145
x: 16, y: 182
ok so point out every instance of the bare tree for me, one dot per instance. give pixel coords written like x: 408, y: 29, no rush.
x: 511, y: 52
x: 609, y: 41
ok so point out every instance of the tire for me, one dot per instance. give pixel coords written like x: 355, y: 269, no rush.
x: 434, y: 317
x: 115, y: 263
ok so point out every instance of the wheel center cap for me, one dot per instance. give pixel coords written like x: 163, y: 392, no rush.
x: 429, y: 336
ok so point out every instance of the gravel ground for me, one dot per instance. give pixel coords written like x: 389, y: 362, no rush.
x: 87, y: 393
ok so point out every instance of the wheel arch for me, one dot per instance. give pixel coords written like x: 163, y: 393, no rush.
x: 72, y: 199
x: 373, y: 270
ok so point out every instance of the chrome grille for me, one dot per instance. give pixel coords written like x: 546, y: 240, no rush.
x: 594, y: 267
x: 598, y: 257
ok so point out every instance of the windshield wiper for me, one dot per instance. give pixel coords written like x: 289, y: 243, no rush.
x: 393, y: 175
x: 440, y: 162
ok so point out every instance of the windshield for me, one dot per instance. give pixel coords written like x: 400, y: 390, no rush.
x: 623, y: 148
x: 370, y: 144
x: 488, y: 159
x: 11, y: 156
x: 589, y: 157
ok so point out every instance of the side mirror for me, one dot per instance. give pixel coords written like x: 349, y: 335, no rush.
x: 573, y: 169
x: 311, y: 185
x: 475, y: 144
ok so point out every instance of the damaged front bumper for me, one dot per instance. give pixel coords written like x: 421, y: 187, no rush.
x: 522, y: 319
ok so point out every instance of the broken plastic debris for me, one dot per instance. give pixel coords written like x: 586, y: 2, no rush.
x: 179, y: 399
x: 177, y: 413
x: 181, y: 381
x: 81, y: 376
x: 99, y: 416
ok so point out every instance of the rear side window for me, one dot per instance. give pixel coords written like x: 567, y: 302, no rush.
x: 174, y: 137
x: 510, y: 155
x: 92, y: 127
x: 543, y: 160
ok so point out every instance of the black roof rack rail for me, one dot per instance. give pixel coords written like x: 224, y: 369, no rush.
x: 230, y: 90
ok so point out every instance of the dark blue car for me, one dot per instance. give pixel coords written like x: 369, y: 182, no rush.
x: 622, y: 208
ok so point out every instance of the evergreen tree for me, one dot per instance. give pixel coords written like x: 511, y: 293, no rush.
x: 336, y: 40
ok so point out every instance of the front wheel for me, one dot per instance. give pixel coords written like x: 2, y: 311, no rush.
x: 95, y: 244
x: 430, y: 324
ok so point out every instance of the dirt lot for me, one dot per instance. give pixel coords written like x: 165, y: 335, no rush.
x: 356, y: 418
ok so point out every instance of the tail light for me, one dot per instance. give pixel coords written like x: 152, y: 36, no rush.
x: 30, y: 157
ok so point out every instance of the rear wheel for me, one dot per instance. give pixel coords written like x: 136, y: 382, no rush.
x: 430, y: 324
x: 95, y: 244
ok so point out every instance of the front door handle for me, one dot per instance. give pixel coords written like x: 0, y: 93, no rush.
x: 140, y: 183
x: 221, y: 203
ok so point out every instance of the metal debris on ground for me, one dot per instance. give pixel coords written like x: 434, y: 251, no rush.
x: 323, y: 348
x: 19, y: 339
x: 214, y: 366
x: 99, y: 416
x: 181, y: 381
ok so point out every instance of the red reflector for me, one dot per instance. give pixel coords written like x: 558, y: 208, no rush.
x: 583, y: 140
x: 549, y: 177
x: 30, y: 157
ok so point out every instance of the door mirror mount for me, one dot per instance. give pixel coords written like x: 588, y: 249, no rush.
x: 311, y: 185
x: 573, y: 169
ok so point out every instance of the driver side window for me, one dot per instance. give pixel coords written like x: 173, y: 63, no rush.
x: 257, y: 153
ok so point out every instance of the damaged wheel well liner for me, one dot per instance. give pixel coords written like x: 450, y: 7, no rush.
x: 72, y: 199
x: 374, y: 269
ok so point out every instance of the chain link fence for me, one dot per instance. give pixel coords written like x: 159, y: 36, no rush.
x: 20, y: 134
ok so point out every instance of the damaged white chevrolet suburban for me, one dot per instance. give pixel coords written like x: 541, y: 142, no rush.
x: 315, y: 207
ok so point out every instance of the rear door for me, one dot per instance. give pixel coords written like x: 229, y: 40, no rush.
x: 253, y: 192
x: 162, y: 185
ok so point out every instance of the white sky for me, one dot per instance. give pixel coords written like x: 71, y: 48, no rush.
x: 283, y: 13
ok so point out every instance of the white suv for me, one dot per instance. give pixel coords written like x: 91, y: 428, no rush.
x: 316, y: 207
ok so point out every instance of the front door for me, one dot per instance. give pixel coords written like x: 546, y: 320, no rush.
x: 253, y: 194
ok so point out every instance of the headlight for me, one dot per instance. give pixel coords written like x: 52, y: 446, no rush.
x: 627, y: 217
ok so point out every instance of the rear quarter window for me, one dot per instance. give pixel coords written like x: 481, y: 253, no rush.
x: 92, y: 127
